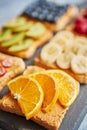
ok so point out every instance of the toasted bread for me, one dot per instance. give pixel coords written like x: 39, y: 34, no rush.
x: 50, y: 120
x: 27, y: 53
x: 17, y: 68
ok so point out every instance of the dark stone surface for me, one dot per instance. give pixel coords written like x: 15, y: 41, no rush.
x: 10, y: 9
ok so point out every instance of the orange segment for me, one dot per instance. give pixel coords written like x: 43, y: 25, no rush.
x: 68, y: 87
x: 28, y: 93
x: 49, y: 88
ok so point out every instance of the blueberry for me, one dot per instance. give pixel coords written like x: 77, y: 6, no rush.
x: 34, y: 14
x: 41, y: 16
x: 38, y: 9
x: 50, y: 17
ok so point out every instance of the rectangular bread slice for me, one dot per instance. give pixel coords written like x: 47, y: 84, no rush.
x: 82, y: 78
x: 17, y: 68
x: 50, y: 120
x: 27, y: 53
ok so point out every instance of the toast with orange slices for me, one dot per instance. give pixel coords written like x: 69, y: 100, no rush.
x: 51, y: 119
x: 9, y: 68
x: 22, y: 36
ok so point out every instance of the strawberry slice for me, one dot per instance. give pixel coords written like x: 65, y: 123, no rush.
x: 2, y: 71
x: 7, y: 62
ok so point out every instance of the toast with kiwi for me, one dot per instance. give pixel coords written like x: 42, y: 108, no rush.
x: 9, y: 68
x: 50, y: 120
x: 22, y: 36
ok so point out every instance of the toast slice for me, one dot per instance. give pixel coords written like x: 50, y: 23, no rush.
x: 50, y: 120
x: 17, y: 67
x: 36, y: 42
x: 81, y: 78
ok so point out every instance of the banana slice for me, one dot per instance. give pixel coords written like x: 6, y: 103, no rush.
x: 66, y: 35
x: 79, y: 64
x: 75, y: 48
x: 83, y: 50
x: 50, y: 52
x: 64, y: 60
x: 81, y: 40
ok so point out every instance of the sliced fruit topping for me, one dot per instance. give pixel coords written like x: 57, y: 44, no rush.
x: 7, y: 62
x: 15, y: 39
x: 37, y: 30
x: 25, y: 27
x: 79, y: 64
x: 15, y: 22
x: 49, y: 88
x: 28, y: 93
x: 64, y: 60
x: 50, y: 52
x: 2, y: 71
x: 68, y: 87
x: 5, y: 35
x: 21, y: 46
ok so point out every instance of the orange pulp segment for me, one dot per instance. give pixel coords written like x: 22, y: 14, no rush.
x: 49, y: 88
x: 68, y: 87
x: 28, y: 93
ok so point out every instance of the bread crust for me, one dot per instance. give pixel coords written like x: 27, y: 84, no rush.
x: 17, y: 68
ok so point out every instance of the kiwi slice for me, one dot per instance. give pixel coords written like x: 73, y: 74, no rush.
x: 5, y: 35
x: 21, y: 46
x: 16, y: 38
x: 25, y: 27
x: 15, y: 22
x: 36, y: 31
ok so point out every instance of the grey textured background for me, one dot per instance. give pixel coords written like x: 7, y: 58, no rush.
x: 10, y: 9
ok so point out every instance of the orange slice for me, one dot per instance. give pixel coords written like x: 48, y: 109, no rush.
x: 49, y: 88
x: 28, y: 93
x: 68, y: 87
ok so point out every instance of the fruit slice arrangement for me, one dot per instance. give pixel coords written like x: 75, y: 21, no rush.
x: 34, y: 94
x: 45, y: 10
x: 67, y: 51
x: 20, y: 34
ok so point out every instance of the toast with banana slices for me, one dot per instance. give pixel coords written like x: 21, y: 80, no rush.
x: 9, y: 68
x: 68, y: 52
x: 50, y: 120
x: 22, y: 36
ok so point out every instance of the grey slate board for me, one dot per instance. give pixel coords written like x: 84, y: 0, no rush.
x: 10, y: 9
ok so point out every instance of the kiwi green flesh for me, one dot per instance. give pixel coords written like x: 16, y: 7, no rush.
x: 21, y: 46
x: 16, y: 38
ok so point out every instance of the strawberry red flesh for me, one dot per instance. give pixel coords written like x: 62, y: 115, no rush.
x: 7, y: 62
